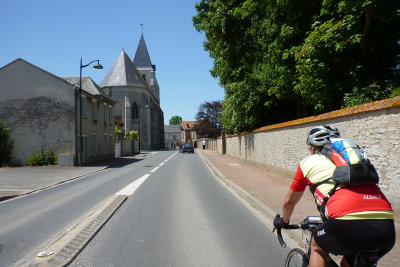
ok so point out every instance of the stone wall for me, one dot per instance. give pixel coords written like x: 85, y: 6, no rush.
x: 374, y: 126
x: 39, y: 108
x: 151, y: 118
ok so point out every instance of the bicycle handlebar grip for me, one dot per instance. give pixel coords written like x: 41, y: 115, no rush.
x: 294, y: 226
x: 279, y: 233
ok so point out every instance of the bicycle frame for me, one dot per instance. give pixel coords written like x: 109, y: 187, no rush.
x: 310, y: 225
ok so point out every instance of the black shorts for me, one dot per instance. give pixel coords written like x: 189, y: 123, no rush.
x: 345, y: 237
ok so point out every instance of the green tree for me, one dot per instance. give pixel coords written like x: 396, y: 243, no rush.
x: 175, y: 120
x: 5, y: 145
x: 351, y: 55
x: 280, y: 60
x: 248, y: 41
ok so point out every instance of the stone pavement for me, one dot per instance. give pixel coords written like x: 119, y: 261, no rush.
x: 266, y: 191
x: 260, y: 188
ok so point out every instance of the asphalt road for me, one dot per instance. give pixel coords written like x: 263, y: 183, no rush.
x: 179, y: 216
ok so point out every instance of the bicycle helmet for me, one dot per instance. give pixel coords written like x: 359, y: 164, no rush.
x: 333, y: 131
x: 321, y: 135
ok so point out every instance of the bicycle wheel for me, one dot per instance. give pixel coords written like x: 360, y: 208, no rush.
x: 296, y: 258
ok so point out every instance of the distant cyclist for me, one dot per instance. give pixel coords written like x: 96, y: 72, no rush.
x: 359, y: 217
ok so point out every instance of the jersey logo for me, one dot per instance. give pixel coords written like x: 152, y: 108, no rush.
x: 372, y: 197
x: 322, y: 232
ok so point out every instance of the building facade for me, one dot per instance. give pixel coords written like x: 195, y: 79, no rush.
x: 188, y: 135
x: 42, y: 110
x: 172, y: 136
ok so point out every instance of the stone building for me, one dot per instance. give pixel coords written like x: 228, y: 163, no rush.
x: 42, y: 110
x: 187, y: 132
x: 172, y: 136
x: 133, y: 85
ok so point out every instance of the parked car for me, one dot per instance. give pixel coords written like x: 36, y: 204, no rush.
x: 187, y: 147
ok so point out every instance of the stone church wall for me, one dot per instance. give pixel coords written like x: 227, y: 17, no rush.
x: 148, y: 116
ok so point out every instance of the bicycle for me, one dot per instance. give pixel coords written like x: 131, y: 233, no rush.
x: 299, y: 257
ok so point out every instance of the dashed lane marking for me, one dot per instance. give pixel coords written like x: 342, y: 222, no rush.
x: 130, y: 189
x: 153, y: 170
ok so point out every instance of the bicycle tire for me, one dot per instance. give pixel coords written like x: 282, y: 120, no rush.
x: 296, y: 258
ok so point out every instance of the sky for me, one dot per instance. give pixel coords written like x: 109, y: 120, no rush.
x: 55, y: 34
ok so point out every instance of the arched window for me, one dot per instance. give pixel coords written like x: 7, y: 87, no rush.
x: 135, y: 111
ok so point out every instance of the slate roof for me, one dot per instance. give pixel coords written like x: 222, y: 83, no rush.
x: 123, y: 73
x: 142, y: 58
x: 172, y: 128
x: 89, y: 86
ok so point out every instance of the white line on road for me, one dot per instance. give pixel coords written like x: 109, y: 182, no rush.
x: 153, y: 170
x: 130, y: 189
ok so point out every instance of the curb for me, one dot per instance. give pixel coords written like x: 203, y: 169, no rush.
x: 64, y: 251
x: 265, y: 214
x: 293, y: 239
x: 28, y: 192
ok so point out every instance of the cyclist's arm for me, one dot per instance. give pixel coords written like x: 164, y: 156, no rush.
x: 292, y: 198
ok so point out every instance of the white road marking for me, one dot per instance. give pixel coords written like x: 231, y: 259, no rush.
x: 153, y: 170
x: 130, y: 189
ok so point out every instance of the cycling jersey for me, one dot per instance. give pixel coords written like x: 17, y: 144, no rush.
x: 351, y: 202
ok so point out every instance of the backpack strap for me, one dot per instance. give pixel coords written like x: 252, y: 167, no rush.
x: 327, y: 152
x: 321, y: 208
x: 314, y: 186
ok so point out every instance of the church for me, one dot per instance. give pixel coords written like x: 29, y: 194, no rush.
x: 133, y: 85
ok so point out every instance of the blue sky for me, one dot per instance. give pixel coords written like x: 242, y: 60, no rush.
x: 55, y: 34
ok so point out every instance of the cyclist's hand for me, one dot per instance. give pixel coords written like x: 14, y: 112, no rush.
x: 279, y: 223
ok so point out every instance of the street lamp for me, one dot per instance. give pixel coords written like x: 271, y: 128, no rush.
x: 144, y: 106
x: 96, y: 66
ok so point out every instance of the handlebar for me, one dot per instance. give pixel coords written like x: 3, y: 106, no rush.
x: 279, y: 231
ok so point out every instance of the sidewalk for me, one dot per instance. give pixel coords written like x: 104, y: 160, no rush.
x: 266, y: 191
x: 25, y: 180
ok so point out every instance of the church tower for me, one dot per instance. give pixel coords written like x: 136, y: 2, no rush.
x: 143, y: 64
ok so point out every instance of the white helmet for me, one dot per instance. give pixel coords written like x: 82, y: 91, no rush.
x: 321, y: 135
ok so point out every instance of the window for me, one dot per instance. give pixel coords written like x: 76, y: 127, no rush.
x: 174, y: 137
x: 105, y: 144
x: 105, y: 113
x: 135, y: 111
x: 94, y: 109
x: 111, y: 143
x: 84, y: 106
x: 110, y: 114
x: 94, y: 144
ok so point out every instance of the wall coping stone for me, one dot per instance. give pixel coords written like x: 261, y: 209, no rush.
x: 369, y: 107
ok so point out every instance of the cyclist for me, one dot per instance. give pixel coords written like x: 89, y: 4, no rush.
x: 358, y: 217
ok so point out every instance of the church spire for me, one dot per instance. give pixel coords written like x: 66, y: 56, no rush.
x: 142, y: 58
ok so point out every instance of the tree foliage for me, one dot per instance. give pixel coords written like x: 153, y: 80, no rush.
x: 175, y: 120
x: 280, y: 60
x: 208, y: 117
x: 5, y: 145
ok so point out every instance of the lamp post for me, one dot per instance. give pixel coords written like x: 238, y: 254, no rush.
x: 96, y: 66
x: 144, y: 106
